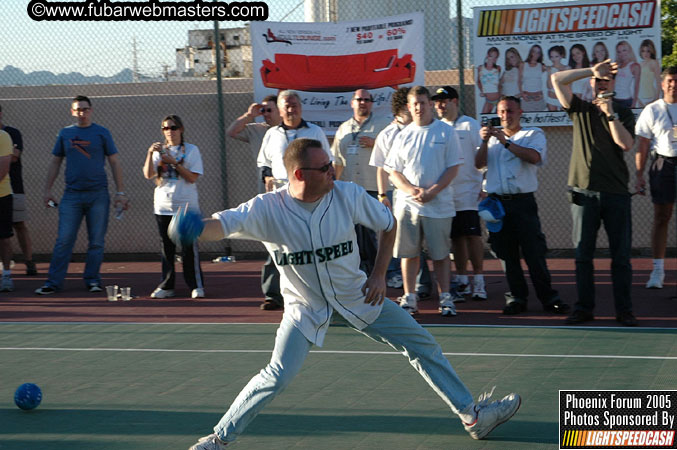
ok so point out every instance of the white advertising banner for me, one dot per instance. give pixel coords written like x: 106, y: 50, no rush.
x: 326, y: 62
x: 516, y: 48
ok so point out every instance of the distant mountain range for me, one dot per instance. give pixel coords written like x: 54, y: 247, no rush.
x: 13, y: 76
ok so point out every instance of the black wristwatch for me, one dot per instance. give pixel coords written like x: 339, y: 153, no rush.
x: 611, y: 118
x: 507, y: 144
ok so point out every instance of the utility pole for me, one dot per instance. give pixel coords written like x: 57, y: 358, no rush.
x: 135, y: 62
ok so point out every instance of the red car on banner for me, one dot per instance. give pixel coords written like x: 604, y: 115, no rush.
x: 340, y: 73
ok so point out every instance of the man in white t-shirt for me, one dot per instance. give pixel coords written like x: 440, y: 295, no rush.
x: 422, y: 163
x: 245, y: 129
x: 274, y: 174
x: 657, y: 128
x: 466, y: 234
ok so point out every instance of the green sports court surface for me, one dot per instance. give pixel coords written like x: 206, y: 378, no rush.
x: 161, y: 386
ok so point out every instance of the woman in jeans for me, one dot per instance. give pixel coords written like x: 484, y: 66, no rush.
x: 175, y: 165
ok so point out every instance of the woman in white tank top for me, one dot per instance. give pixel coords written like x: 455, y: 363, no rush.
x: 510, y: 80
x: 556, y: 54
x: 627, y: 77
x: 532, y: 81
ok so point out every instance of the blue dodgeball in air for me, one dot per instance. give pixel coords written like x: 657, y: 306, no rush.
x: 190, y: 226
x: 28, y: 396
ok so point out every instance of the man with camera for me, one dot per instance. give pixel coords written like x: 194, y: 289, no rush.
x: 598, y: 176
x: 512, y: 155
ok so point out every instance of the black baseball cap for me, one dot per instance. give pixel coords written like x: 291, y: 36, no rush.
x: 445, y: 92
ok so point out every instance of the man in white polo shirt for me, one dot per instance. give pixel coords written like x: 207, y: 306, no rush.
x: 512, y: 155
x: 274, y: 174
x: 657, y: 128
x: 352, y: 147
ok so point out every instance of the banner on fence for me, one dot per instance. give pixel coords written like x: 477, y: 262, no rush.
x: 516, y: 48
x: 326, y: 62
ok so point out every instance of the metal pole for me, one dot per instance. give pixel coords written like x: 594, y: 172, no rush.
x: 461, y: 48
x: 222, y: 133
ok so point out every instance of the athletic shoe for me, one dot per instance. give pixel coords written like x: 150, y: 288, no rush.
x: 656, y: 279
x: 456, y: 297
x: 94, y: 287
x: 408, y: 302
x: 395, y: 281
x: 11, y: 265
x: 162, y: 293
x: 464, y: 289
x: 211, y: 442
x: 198, y: 293
x: 447, y: 307
x: 31, y: 270
x: 45, y: 290
x: 478, y: 291
x: 6, y: 285
x: 491, y: 415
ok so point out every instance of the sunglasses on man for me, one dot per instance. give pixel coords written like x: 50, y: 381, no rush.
x: 323, y: 169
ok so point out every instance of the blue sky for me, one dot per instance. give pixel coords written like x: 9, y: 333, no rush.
x: 99, y: 48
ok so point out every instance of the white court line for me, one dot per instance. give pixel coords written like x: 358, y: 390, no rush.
x: 329, y: 352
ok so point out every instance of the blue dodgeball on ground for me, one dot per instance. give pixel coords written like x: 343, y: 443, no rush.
x: 28, y: 396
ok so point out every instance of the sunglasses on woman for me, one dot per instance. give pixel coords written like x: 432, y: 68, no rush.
x: 173, y: 128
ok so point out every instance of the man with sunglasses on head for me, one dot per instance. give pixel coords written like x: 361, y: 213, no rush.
x: 308, y: 226
x: 246, y: 129
x: 274, y: 174
x: 352, y: 148
x: 85, y: 146
x: 598, y: 176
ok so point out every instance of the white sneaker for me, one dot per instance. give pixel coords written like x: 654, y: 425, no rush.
x: 162, y: 293
x: 6, y: 285
x: 395, y: 281
x: 11, y: 265
x: 408, y: 302
x: 447, y: 307
x: 198, y: 293
x: 211, y: 442
x: 491, y: 415
x: 478, y: 291
x: 656, y: 279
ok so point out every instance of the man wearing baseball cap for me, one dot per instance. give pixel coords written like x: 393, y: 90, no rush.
x: 466, y: 234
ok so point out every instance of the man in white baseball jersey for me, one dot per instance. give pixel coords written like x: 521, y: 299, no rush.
x: 274, y: 175
x: 352, y: 148
x: 422, y: 162
x: 466, y: 234
x: 308, y: 227
x: 657, y: 127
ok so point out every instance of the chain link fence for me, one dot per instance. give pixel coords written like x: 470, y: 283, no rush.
x: 170, y: 68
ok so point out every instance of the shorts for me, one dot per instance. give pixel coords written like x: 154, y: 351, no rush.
x: 412, y: 230
x: 6, y: 231
x: 662, y: 180
x: 20, y: 213
x: 466, y: 223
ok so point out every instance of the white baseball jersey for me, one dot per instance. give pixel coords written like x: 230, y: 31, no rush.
x: 315, y: 252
